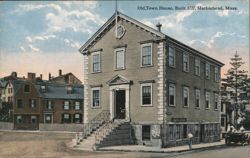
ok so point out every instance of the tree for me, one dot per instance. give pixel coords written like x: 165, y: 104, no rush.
x: 236, y: 81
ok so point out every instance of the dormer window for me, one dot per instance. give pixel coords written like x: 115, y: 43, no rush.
x: 26, y: 88
x: 69, y: 89
x: 43, y: 88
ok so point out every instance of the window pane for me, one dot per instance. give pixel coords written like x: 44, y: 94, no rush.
x: 96, y: 98
x: 171, y: 56
x: 146, y: 132
x: 146, y: 95
x: 171, y: 95
x: 146, y: 55
x: 96, y: 62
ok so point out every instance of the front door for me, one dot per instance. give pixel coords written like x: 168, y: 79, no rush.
x: 120, y: 104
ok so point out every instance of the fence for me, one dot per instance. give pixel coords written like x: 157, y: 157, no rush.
x: 61, y: 127
x: 6, y: 126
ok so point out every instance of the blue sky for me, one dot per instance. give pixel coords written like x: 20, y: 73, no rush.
x: 43, y: 37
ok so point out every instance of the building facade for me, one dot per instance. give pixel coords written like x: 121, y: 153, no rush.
x: 40, y: 104
x: 162, y: 87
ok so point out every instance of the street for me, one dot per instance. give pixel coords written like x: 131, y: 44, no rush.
x: 55, y: 145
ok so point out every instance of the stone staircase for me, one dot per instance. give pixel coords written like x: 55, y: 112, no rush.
x: 105, y: 133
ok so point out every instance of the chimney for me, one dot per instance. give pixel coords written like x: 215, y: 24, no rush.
x: 14, y: 74
x: 159, y: 26
x: 60, y: 72
x: 41, y: 76
x: 31, y: 76
x: 49, y: 76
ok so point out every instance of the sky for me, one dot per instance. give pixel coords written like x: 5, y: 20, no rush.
x: 44, y: 37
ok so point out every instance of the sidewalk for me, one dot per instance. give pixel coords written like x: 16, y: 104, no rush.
x: 141, y: 148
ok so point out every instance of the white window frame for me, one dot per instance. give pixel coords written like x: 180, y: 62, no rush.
x: 92, y: 61
x: 207, y: 70
x: 33, y: 117
x: 33, y: 103
x: 207, y: 98
x: 96, y: 88
x: 66, y: 105
x: 174, y: 88
x: 197, y: 64
x: 183, y: 98
x: 50, y: 105
x: 185, y: 57
x: 197, y: 92
x: 216, y: 74
x: 19, y: 117
x: 151, y: 46
x: 151, y: 91
x: 173, y: 56
x: 115, y: 63
x: 77, y: 105
x: 216, y: 99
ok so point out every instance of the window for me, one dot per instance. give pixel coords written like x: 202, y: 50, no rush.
x: 197, y: 98
x: 66, y: 105
x: 33, y: 119
x: 26, y: 88
x: 146, y: 135
x: 96, y: 97
x: 43, y: 88
x: 222, y: 122
x: 77, y: 118
x: 185, y: 96
x: 216, y: 74
x: 207, y: 72
x: 77, y: 105
x: 207, y: 98
x: 197, y: 67
x: 171, y: 97
x: 185, y: 62
x: 222, y: 107
x: 196, y: 130
x: 19, y: 119
x: 146, y: 93
x: 178, y: 131
x: 49, y: 105
x: 48, y: 118
x: 96, y: 59
x: 171, y: 57
x: 171, y: 132
x: 184, y: 131
x: 32, y: 103
x: 19, y: 103
x: 120, y: 55
x: 69, y: 89
x: 66, y: 118
x: 146, y: 54
x: 216, y: 100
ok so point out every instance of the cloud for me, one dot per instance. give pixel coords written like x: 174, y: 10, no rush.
x: 22, y: 49
x: 71, y: 43
x: 223, y: 13
x: 39, y: 38
x: 33, y: 48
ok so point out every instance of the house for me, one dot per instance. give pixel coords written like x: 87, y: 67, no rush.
x: 61, y: 103
x: 67, y: 78
x: 44, y: 105
x: 161, y: 87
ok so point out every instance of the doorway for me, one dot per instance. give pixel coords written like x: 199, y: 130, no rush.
x: 202, y: 133
x: 120, y: 104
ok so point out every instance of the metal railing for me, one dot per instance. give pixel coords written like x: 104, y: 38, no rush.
x: 96, y: 122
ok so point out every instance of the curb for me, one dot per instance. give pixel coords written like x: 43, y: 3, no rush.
x: 162, y: 151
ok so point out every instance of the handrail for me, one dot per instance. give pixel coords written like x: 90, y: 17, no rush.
x: 98, y: 120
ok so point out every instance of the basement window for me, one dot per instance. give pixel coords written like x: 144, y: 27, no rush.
x: 146, y: 134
